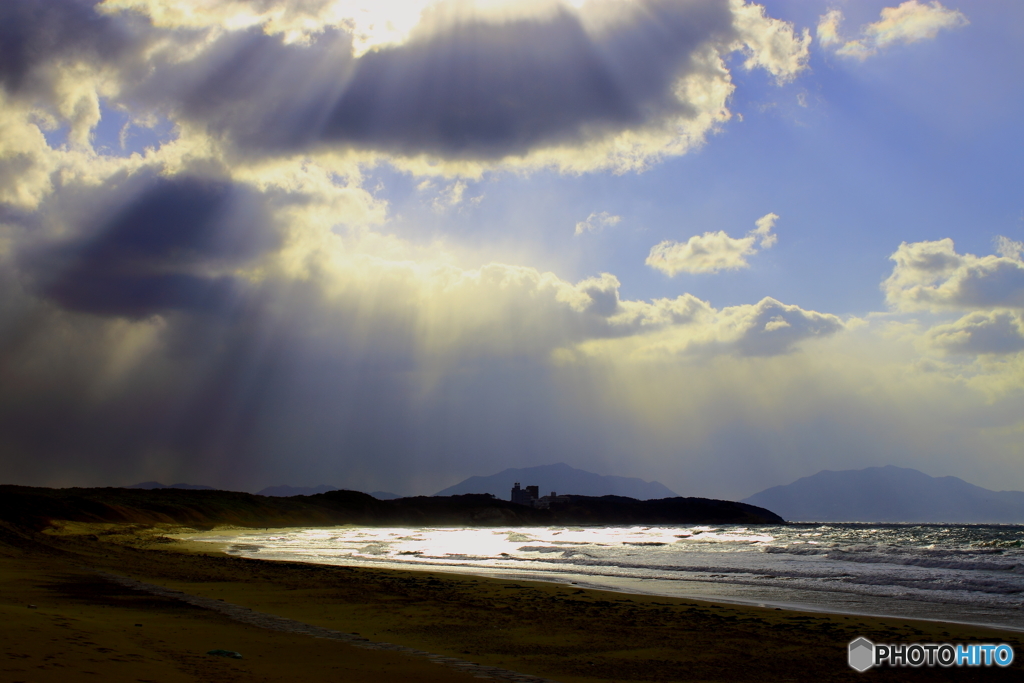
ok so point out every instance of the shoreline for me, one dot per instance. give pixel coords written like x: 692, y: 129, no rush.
x: 588, y: 582
x: 560, y: 632
x: 816, y: 601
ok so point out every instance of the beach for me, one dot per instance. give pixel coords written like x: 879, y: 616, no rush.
x: 84, y: 625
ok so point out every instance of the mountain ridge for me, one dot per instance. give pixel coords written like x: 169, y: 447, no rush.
x: 889, y: 494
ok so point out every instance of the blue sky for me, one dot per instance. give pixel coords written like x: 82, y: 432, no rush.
x: 700, y: 242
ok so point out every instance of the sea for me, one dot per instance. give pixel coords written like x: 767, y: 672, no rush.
x: 970, y: 574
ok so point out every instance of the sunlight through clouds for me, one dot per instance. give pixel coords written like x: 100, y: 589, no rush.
x: 292, y: 265
x: 555, y: 84
x: 372, y: 24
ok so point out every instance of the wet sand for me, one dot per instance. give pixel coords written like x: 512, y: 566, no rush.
x: 84, y: 626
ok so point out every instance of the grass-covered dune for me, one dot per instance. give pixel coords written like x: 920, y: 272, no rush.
x: 37, y: 507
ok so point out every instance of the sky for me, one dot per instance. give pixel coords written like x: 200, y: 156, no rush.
x: 388, y: 245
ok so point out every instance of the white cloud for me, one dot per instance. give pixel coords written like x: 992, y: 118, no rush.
x: 450, y: 196
x: 712, y: 251
x: 1009, y: 248
x: 933, y: 276
x: 770, y: 44
x: 828, y: 28
x: 763, y: 231
x: 910, y: 22
x: 707, y: 253
x: 597, y: 222
x: 26, y: 161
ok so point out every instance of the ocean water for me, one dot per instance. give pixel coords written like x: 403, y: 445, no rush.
x: 961, y: 573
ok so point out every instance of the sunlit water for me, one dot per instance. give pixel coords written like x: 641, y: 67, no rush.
x: 969, y: 573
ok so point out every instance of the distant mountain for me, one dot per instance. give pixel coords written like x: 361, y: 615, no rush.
x: 285, y: 491
x: 158, y: 485
x: 562, y: 479
x: 889, y: 494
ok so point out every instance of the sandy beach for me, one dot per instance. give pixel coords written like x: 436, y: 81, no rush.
x: 61, y: 620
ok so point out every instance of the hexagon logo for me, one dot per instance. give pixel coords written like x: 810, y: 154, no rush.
x: 862, y: 654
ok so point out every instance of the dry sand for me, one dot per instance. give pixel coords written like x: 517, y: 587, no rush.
x: 83, y: 627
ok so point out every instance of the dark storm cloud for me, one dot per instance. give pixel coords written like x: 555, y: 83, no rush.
x: 169, y: 247
x: 481, y: 89
x: 33, y: 32
x: 253, y: 89
x: 471, y: 89
x: 495, y: 89
x: 458, y: 88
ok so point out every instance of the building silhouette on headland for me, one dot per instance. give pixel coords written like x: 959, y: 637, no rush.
x: 525, y: 496
x: 530, y: 496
